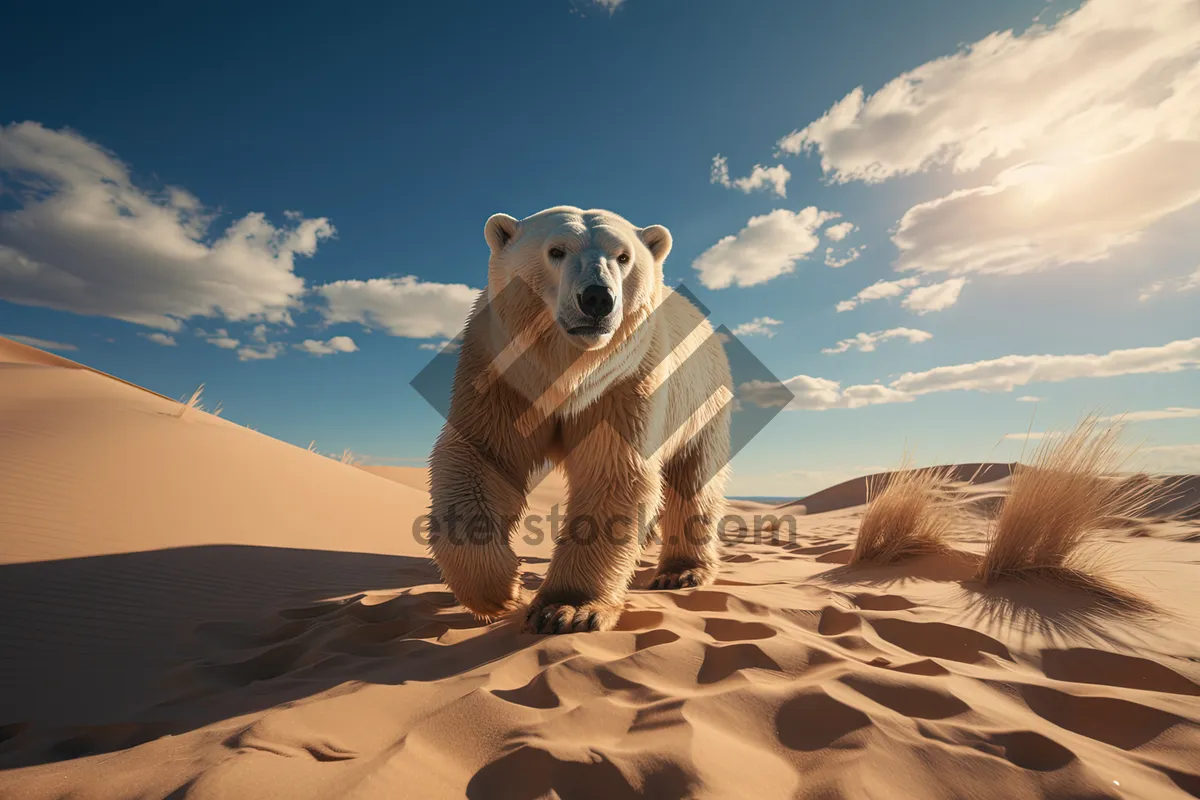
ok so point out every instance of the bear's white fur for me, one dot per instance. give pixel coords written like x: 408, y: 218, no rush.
x: 635, y: 405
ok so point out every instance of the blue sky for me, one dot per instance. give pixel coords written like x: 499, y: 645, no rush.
x: 283, y: 174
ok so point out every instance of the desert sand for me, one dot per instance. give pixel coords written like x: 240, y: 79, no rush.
x: 191, y: 609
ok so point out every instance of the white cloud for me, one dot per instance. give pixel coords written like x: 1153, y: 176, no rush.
x: 1028, y: 398
x: 818, y: 394
x: 1177, y: 285
x: 835, y: 233
x: 220, y: 338
x: 44, y: 344
x: 1115, y: 103
x: 84, y: 239
x: 996, y: 375
x: 837, y: 263
x: 759, y: 326
x: 936, y: 297
x: 404, y: 306
x: 760, y: 177
x: 264, y: 353
x: 446, y: 344
x: 1171, y: 412
x: 866, y: 342
x: 338, y: 344
x: 1098, y: 64
x: 158, y: 337
x: 1005, y: 374
x: 259, y: 334
x: 609, y: 5
x: 878, y: 291
x: 1040, y: 216
x: 769, y: 246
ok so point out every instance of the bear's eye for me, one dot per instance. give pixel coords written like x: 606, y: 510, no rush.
x: 623, y: 259
x: 556, y: 252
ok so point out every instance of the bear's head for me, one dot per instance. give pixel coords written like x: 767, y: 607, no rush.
x: 591, y: 270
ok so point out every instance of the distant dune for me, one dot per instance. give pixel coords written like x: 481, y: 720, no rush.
x: 193, y: 609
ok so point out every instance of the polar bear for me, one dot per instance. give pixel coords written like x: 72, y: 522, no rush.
x: 577, y: 354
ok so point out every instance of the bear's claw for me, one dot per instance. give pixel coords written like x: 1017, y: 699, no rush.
x: 566, y: 618
x: 680, y: 579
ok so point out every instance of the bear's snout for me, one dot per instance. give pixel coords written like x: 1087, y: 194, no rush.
x: 596, y: 301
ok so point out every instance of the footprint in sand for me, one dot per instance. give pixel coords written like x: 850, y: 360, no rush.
x: 732, y: 630
x: 813, y: 721
x: 1116, y: 722
x: 883, y: 602
x: 939, y: 640
x: 834, y: 622
x: 722, y: 662
x: 1084, y: 665
x: 908, y: 698
x: 1029, y: 750
x: 536, y: 694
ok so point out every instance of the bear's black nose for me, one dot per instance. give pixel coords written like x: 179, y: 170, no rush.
x: 596, y: 301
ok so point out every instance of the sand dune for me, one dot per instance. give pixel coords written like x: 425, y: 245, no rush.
x: 192, y: 609
x: 853, y: 492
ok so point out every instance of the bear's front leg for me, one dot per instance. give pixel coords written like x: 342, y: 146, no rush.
x: 596, y: 553
x: 476, y: 505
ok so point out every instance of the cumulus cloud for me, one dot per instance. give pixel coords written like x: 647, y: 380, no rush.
x: 759, y: 326
x: 866, y: 342
x: 83, y: 238
x: 158, y: 337
x: 1185, y: 284
x: 837, y: 263
x: 835, y: 233
x: 1116, y: 103
x: 1099, y: 63
x: 878, y: 291
x: 1039, y: 216
x: 936, y: 297
x: 817, y: 394
x: 769, y: 246
x: 404, y: 306
x: 774, y: 178
x: 220, y: 338
x: 338, y: 344
x: 995, y: 375
x: 43, y: 344
x: 263, y: 353
x: 1005, y: 374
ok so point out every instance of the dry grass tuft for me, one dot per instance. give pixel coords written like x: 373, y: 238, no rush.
x: 909, y: 513
x: 348, y: 457
x: 1056, y: 505
x: 191, y: 402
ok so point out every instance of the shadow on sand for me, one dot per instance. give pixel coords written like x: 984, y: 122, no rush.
x: 107, y: 652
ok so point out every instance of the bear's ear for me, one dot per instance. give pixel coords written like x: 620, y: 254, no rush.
x: 499, y: 231
x: 658, y: 240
